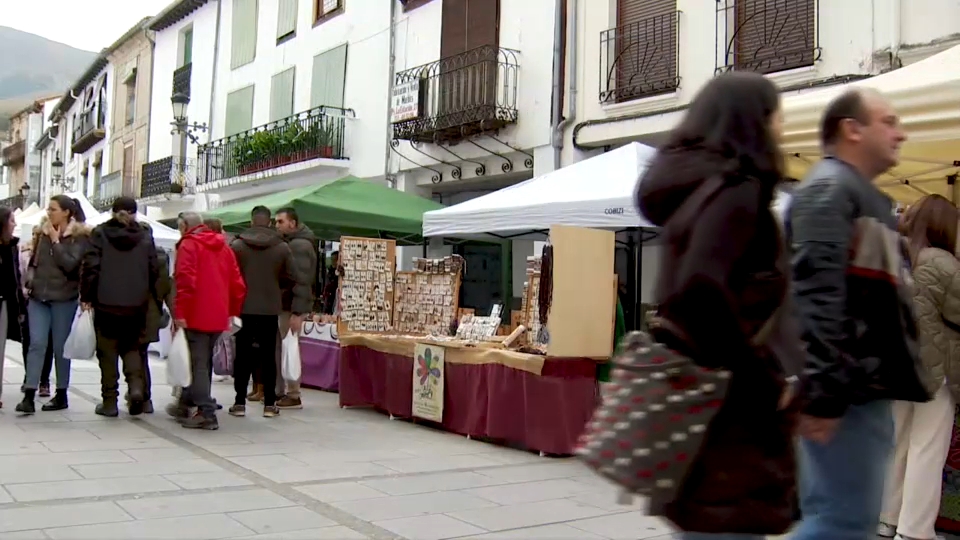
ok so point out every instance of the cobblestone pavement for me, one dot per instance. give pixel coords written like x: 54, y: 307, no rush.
x: 318, y: 473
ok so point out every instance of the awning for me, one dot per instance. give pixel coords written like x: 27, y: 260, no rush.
x: 926, y: 96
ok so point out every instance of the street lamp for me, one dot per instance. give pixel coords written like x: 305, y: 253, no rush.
x: 181, y: 126
x: 56, y: 173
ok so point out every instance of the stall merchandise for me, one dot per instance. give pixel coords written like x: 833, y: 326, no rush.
x: 426, y: 302
x: 366, y: 286
x: 476, y: 328
x: 530, y: 303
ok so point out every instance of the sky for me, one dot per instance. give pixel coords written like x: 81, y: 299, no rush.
x: 90, y: 25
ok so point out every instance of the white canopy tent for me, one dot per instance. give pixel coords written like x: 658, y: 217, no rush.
x: 924, y: 95
x: 163, y: 236
x: 596, y: 192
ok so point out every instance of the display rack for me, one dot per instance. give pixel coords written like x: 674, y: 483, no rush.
x: 426, y: 303
x: 530, y: 303
x: 366, y: 288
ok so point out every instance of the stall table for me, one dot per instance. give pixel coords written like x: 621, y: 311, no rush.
x: 320, y: 356
x: 536, y: 402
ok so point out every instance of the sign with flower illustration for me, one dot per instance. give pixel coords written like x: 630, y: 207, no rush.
x: 428, y: 382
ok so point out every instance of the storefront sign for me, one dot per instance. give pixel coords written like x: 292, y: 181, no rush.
x: 428, y: 378
x: 405, y: 102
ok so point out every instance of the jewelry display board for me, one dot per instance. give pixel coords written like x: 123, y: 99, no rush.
x: 530, y: 303
x: 366, y: 287
x: 426, y: 303
x: 475, y: 328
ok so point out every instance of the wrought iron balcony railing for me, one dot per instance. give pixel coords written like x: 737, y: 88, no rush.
x: 109, y: 188
x: 767, y: 36
x: 461, y: 96
x: 14, y: 202
x: 181, y: 79
x: 312, y: 134
x: 640, y: 59
x: 15, y: 153
x: 89, y: 128
x: 168, y: 175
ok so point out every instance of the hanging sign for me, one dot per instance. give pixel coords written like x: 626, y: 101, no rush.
x: 405, y: 102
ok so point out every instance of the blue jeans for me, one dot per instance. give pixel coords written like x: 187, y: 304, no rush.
x: 841, y: 482
x: 49, y: 320
x: 720, y: 536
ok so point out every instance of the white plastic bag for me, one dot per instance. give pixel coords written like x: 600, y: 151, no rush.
x: 178, y: 361
x: 290, y: 361
x: 81, y: 344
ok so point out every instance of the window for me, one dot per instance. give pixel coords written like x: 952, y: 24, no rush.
x: 186, y: 46
x: 328, y: 78
x: 326, y: 9
x: 244, y: 33
x: 409, y: 5
x: 239, y: 111
x: 287, y: 20
x: 281, y: 94
x: 131, y: 107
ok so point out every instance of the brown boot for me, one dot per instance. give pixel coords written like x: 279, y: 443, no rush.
x: 287, y: 402
x: 257, y: 394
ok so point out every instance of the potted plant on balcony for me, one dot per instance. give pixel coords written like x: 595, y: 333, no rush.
x: 292, y: 143
x: 326, y: 139
x: 243, y: 156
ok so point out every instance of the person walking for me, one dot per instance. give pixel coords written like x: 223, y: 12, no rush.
x: 53, y: 284
x: 209, y: 290
x: 303, y: 246
x: 266, y: 264
x: 722, y: 288
x: 158, y: 318
x: 12, y: 301
x: 849, y: 281
x: 923, y: 430
x: 117, y: 281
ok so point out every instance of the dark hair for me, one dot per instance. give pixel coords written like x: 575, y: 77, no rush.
x: 848, y: 105
x: 6, y: 214
x: 728, y: 124
x: 930, y: 222
x: 214, y: 224
x: 69, y: 206
x: 124, y: 209
x: 291, y: 213
x: 80, y: 215
x: 335, y: 253
x: 260, y: 211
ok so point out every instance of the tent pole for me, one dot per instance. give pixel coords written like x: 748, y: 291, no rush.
x: 631, y: 307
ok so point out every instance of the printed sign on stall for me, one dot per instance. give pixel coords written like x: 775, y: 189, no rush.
x: 428, y: 378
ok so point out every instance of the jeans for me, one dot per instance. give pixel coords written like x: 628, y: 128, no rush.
x: 256, y: 347
x: 841, y: 482
x: 201, y: 364
x: 718, y: 536
x: 49, y: 320
x: 47, y: 357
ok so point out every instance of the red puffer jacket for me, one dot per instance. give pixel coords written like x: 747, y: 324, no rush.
x: 209, y: 286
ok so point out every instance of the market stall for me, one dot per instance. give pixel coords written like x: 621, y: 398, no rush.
x: 320, y: 356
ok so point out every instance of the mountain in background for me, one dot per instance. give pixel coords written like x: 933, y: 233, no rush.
x: 32, y: 67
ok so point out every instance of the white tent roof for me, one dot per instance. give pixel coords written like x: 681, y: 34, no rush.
x: 924, y: 95
x: 28, y: 220
x: 596, y: 192
x: 163, y: 236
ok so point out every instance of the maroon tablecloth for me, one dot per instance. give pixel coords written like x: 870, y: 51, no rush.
x: 544, y: 412
x: 320, y: 361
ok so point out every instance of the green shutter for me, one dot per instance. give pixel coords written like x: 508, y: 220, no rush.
x: 244, y: 33
x: 329, y: 75
x: 187, y: 47
x: 281, y: 95
x: 287, y: 18
x: 239, y: 111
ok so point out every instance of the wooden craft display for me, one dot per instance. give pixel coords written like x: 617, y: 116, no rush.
x: 426, y: 303
x: 367, y: 286
x: 530, y: 303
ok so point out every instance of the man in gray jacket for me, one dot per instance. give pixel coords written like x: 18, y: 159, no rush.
x: 303, y: 246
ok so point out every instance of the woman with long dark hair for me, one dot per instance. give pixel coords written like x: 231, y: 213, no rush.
x: 724, y: 277
x: 923, y: 430
x: 12, y: 303
x: 53, y: 285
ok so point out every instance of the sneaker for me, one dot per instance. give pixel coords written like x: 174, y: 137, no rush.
x: 269, y: 411
x: 107, y: 409
x: 44, y: 390
x: 237, y: 410
x: 287, y: 402
x: 199, y: 421
x: 58, y: 403
x: 886, y: 531
x: 26, y: 406
x: 177, y: 411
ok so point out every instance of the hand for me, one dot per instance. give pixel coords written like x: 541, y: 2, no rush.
x: 818, y: 430
x: 178, y: 324
x: 789, y: 394
x: 86, y: 306
x: 54, y: 234
x: 296, y: 324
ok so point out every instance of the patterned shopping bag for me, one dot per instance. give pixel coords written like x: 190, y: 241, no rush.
x: 223, y: 354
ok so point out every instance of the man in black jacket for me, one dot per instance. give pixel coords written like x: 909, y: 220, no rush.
x: 849, y: 274
x: 117, y: 281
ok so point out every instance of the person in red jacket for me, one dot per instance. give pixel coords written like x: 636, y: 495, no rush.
x: 210, y: 290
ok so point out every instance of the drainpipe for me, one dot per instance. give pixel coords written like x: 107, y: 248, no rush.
x: 558, y: 50
x: 153, y: 50
x: 895, y: 33
x: 216, y: 64
x: 392, y: 73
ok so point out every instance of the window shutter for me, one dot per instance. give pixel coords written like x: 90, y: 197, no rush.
x: 453, y: 28
x: 328, y: 78
x: 329, y: 6
x: 645, y: 45
x: 287, y: 18
x: 244, y: 28
x: 239, y: 111
x: 484, y: 23
x: 187, y: 47
x: 281, y: 94
x: 773, y: 35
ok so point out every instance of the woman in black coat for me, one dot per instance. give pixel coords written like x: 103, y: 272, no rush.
x: 12, y: 302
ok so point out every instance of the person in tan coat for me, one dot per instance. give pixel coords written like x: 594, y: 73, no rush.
x: 923, y: 430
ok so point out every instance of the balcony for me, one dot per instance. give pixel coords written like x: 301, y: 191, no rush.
x: 181, y: 79
x: 89, y: 130
x: 17, y: 201
x: 166, y: 176
x: 767, y: 36
x: 460, y: 96
x: 15, y: 153
x: 110, y: 187
x: 640, y: 59
x: 316, y: 133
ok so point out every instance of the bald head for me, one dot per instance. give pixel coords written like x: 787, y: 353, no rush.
x: 861, y: 127
x: 189, y: 220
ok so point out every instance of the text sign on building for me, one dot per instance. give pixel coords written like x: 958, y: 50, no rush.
x: 406, y: 101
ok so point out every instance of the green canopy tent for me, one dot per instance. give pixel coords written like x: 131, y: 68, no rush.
x: 345, y: 207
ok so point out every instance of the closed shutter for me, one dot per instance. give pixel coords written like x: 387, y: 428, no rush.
x: 287, y: 18
x: 243, y: 46
x: 329, y: 78
x: 645, y: 46
x: 470, y: 80
x: 453, y: 28
x: 239, y: 111
x: 484, y: 23
x: 281, y: 94
x: 773, y: 35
